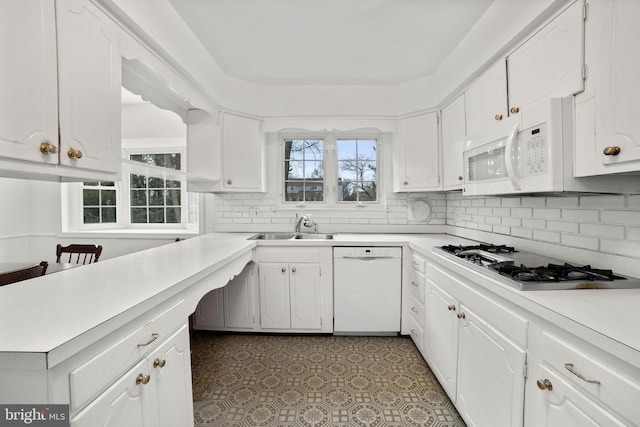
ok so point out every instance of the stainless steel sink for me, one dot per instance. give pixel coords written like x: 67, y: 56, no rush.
x: 314, y: 236
x: 291, y: 236
x: 273, y: 236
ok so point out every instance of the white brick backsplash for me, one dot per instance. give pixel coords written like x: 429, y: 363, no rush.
x: 525, y: 233
x: 563, y: 226
x: 608, y: 201
x: 633, y: 202
x: 546, y: 213
x: 580, y: 215
x: 633, y: 233
x: 562, y: 202
x: 511, y: 202
x: 582, y: 242
x: 501, y: 230
x: 620, y: 247
x: 534, y: 223
x: 502, y: 212
x: 512, y: 222
x: 533, y: 201
x: 546, y: 236
x: 522, y: 212
x: 621, y: 217
x: 494, y: 220
x: 602, y: 230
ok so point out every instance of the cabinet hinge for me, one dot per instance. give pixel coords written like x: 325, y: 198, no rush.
x: 525, y: 371
x: 585, y: 72
x: 585, y: 11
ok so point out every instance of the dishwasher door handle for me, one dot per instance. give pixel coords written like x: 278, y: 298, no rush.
x: 367, y: 258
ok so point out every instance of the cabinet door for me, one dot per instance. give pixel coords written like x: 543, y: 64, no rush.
x: 454, y: 133
x: 242, y: 154
x: 125, y: 403
x: 491, y: 374
x: 417, y: 154
x: 607, y: 127
x: 238, y: 300
x: 274, y: 295
x: 170, y: 367
x: 210, y: 311
x: 28, y: 81
x: 90, y: 86
x: 304, y: 288
x: 549, y: 64
x: 486, y: 99
x: 561, y: 405
x: 441, y: 336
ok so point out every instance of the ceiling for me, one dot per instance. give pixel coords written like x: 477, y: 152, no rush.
x: 293, y: 42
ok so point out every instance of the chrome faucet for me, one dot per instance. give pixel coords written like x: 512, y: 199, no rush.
x: 306, y: 221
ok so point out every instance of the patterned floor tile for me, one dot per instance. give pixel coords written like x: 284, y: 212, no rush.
x: 312, y: 381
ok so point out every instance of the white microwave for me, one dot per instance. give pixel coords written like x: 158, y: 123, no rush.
x: 532, y: 152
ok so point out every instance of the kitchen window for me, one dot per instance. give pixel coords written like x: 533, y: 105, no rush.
x: 330, y: 171
x: 151, y: 196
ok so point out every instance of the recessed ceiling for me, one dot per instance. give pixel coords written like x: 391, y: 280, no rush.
x: 380, y: 42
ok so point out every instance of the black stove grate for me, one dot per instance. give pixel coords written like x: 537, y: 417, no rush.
x: 494, y: 249
x: 556, y: 273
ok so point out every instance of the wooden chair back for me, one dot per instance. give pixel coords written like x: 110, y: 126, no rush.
x: 24, y: 274
x: 78, y: 254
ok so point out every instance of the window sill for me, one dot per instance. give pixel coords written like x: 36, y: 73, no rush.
x: 131, y: 233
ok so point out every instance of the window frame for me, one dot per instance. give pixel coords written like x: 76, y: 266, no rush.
x: 330, y: 163
x: 190, y: 221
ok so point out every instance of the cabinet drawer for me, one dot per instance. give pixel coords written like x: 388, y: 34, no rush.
x: 100, y: 371
x: 615, y: 389
x: 416, y: 286
x: 418, y: 262
x: 416, y: 311
x: 417, y: 333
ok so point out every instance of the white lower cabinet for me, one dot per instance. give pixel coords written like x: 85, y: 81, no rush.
x: 476, y: 347
x: 491, y: 374
x: 153, y: 393
x: 575, y: 384
x: 290, y: 296
x: 231, y: 307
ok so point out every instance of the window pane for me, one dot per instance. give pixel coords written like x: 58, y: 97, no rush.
x: 293, y: 149
x: 348, y: 170
x: 346, y: 149
x: 156, y: 182
x: 313, y: 170
x: 294, y: 170
x: 367, y: 192
x: 138, y: 181
x: 108, y: 214
x: 156, y: 197
x: 139, y: 215
x: 156, y: 215
x: 368, y: 170
x: 91, y: 197
x: 173, y: 197
x: 108, y: 197
x: 90, y: 184
x: 108, y: 184
x: 314, y: 192
x: 367, y: 150
x: 91, y: 215
x: 173, y: 183
x: 294, y: 191
x: 173, y: 215
x: 139, y: 198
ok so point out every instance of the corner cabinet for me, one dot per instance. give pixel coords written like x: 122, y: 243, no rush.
x: 607, y: 128
x: 62, y: 92
x: 471, y: 342
x: 232, y: 307
x: 416, y: 154
x: 296, y: 289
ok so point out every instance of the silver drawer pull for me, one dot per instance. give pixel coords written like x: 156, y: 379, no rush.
x: 414, y: 283
x: 570, y: 368
x: 154, y: 337
x: 415, y: 310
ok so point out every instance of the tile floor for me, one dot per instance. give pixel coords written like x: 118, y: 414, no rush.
x: 314, y: 380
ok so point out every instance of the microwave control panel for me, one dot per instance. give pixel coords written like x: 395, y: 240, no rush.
x: 534, y: 150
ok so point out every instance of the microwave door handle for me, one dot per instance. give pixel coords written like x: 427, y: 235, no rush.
x: 508, y: 154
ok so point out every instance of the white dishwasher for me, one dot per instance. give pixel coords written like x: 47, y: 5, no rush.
x: 367, y: 283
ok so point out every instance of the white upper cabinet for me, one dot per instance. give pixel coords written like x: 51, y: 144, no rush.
x: 486, y: 99
x: 28, y: 82
x: 416, y: 154
x: 60, y: 106
x: 89, y: 64
x: 549, y: 64
x: 243, y: 148
x: 453, y: 135
x: 607, y: 127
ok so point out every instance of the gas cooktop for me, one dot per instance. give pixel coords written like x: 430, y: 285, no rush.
x: 528, y: 271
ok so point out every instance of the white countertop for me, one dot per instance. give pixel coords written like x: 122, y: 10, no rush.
x: 38, y: 315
